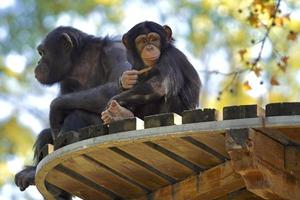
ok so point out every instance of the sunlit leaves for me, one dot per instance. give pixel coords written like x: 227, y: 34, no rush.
x: 274, y: 81
x: 242, y: 53
x: 4, y: 172
x: 257, y: 70
x: 254, y: 20
x: 108, y: 2
x: 292, y: 36
x: 247, y: 86
x: 279, y: 21
x: 15, y: 139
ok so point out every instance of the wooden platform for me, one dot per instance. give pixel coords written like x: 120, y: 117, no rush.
x: 246, y: 155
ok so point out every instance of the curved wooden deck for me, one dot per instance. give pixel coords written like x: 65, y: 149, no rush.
x: 195, y: 160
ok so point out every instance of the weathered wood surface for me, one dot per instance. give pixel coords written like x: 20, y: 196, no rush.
x: 211, y: 184
x: 261, y: 162
x: 168, y: 161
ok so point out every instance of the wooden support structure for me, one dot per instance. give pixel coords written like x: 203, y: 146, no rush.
x: 196, y: 156
x: 261, y: 162
x: 211, y: 184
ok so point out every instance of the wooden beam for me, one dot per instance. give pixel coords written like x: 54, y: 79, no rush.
x: 165, y: 119
x: 199, y: 115
x: 242, y: 111
x: 130, y: 124
x: 260, y: 160
x: 242, y: 194
x: 292, y: 160
x: 210, y: 184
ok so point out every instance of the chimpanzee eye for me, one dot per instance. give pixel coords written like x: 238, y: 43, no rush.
x: 41, y: 50
x: 41, y: 53
x: 140, y: 39
x: 153, y: 39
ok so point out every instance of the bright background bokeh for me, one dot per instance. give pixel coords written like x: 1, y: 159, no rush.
x: 220, y: 38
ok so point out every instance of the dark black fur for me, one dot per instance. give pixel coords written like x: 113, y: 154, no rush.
x: 88, y: 78
x: 173, y: 85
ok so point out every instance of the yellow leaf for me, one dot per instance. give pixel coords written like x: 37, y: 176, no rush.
x: 242, y: 53
x: 270, y: 9
x: 256, y: 2
x: 292, y: 36
x: 246, y: 86
x: 285, y: 59
x: 282, y: 67
x: 279, y: 21
x: 253, y: 19
x: 274, y: 81
x: 257, y: 71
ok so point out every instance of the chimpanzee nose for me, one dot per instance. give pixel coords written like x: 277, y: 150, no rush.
x: 149, y: 47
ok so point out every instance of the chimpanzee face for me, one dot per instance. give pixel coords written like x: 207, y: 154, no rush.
x: 147, y: 41
x: 148, y: 46
x: 55, y: 61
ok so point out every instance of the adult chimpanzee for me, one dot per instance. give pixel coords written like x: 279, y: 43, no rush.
x: 87, y: 69
x: 167, y: 81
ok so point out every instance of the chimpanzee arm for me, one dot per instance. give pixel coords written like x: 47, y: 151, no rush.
x: 95, y: 99
x: 143, y: 93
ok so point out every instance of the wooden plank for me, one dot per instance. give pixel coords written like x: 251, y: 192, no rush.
x: 129, y: 168
x: 103, y: 177
x: 199, y: 115
x: 242, y: 194
x: 143, y: 164
x: 74, y: 186
x: 208, y: 185
x: 283, y: 109
x: 260, y: 161
x: 292, y: 159
x: 165, y: 119
x: 274, y: 154
x: 67, y: 138
x: 190, y: 152
x: 242, y: 111
x: 291, y: 133
x: 174, y: 156
x: 158, y: 160
x: 275, y: 134
x: 93, y: 131
x: 46, y: 150
x: 130, y: 124
x: 215, y: 141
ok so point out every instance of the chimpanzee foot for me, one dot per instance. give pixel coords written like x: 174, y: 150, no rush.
x: 115, y: 112
x: 25, y: 178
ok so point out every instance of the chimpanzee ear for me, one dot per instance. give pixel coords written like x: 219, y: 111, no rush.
x: 67, y: 42
x: 125, y: 40
x: 168, y: 32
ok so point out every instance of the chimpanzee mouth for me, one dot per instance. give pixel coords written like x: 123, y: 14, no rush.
x: 151, y: 58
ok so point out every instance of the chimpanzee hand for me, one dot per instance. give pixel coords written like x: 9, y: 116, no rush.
x: 129, y: 79
x: 56, y: 116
